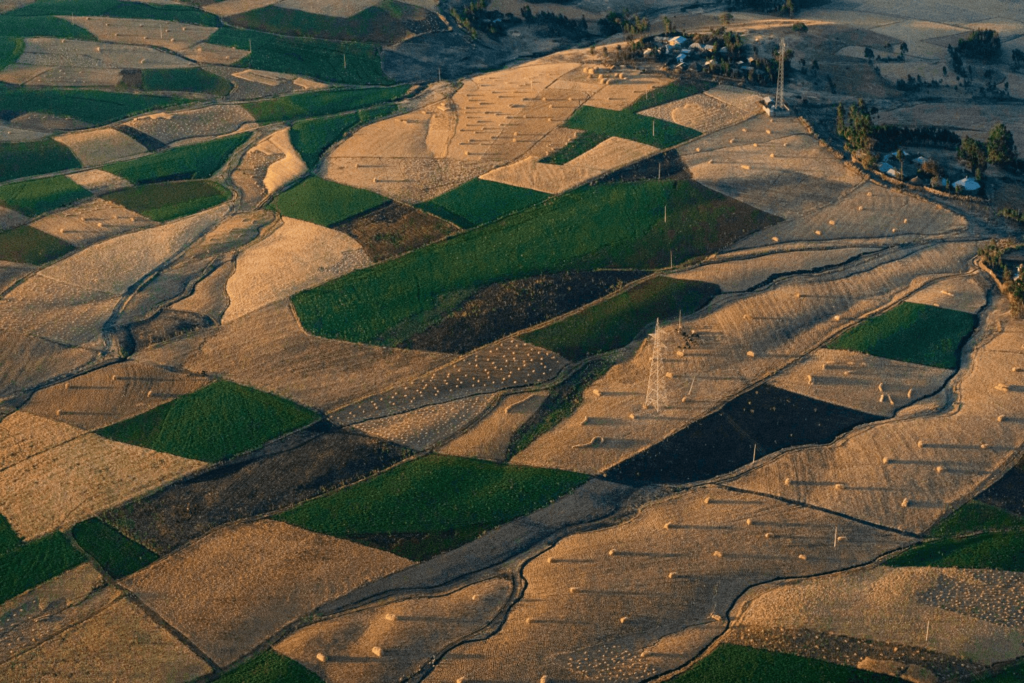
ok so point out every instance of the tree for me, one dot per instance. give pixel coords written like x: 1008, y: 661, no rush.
x: 1001, y: 148
x: 840, y: 120
x: 972, y: 154
x: 726, y: 18
x: 904, y: 49
x: 1017, y: 56
x: 901, y: 157
x: 869, y: 53
x: 667, y: 24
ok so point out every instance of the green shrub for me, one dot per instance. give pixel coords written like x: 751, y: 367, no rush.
x: 35, y: 197
x: 212, y: 424
x: 118, y: 555
x: 185, y: 80
x: 269, y: 667
x: 730, y: 663
x: 915, y: 333
x: 325, y: 203
x: 167, y: 201
x: 32, y: 563
x: 115, y: 8
x: 22, y: 159
x: 481, y: 201
x: 614, y: 322
x: 321, y: 103
x: 25, y: 244
x: 631, y: 126
x: 51, y: 27
x: 429, y: 505
x: 95, y: 107
x: 190, y: 162
x: 312, y: 137
x: 11, y: 48
x: 324, y: 60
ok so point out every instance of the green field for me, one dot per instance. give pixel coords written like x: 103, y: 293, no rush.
x: 35, y: 197
x: 50, y: 27
x: 915, y: 333
x: 608, y: 226
x: 25, y: 244
x: 481, y: 201
x: 667, y: 93
x: 426, y: 506
x: 614, y: 322
x: 730, y: 663
x: 212, y: 424
x: 11, y: 48
x: 8, y: 539
x: 94, y: 107
x: 371, y: 25
x: 1011, y: 674
x: 626, y: 124
x: 23, y: 159
x: 167, y: 201
x: 584, y: 142
x: 312, y: 137
x: 334, y: 62
x: 185, y: 80
x: 190, y: 162
x: 322, y: 103
x: 325, y: 203
x: 975, y: 517
x: 119, y: 556
x: 976, y: 536
x: 26, y: 565
x: 270, y: 667
x: 115, y: 8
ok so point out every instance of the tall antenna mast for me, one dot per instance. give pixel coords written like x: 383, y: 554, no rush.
x: 656, y: 380
x: 780, y: 95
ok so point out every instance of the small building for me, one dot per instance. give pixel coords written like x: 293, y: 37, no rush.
x: 676, y: 41
x: 967, y: 185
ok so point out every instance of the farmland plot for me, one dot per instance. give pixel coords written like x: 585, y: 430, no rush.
x: 98, y: 182
x: 31, y: 361
x: 206, y: 122
x: 22, y: 158
x: 169, y: 200
x: 26, y: 244
x: 91, y: 221
x: 746, y: 270
x: 489, y: 438
x: 23, y: 435
x: 423, y: 428
x: 169, y: 35
x: 78, y: 54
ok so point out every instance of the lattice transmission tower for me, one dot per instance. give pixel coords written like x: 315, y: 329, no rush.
x: 780, y: 88
x: 656, y: 380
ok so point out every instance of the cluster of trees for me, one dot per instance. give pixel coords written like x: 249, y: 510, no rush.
x: 999, y: 150
x: 982, y: 44
x: 992, y: 256
x: 855, y: 127
x: 557, y: 25
x: 1017, y: 58
x: 634, y: 26
x: 890, y: 136
x: 474, y: 16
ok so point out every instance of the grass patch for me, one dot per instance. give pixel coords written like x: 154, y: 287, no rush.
x: 191, y: 162
x: 185, y: 80
x: 676, y: 90
x: 270, y: 667
x: 35, y: 197
x: 371, y: 25
x: 118, y: 555
x: 606, y: 226
x: 1011, y: 674
x: 8, y: 539
x: 325, y: 203
x: 312, y: 137
x: 94, y: 107
x: 25, y: 244
x: 615, y: 322
x: 631, y: 126
x: 481, y: 201
x: 167, y: 201
x: 432, y: 504
x: 11, y: 48
x: 584, y: 142
x: 730, y: 663
x: 561, y: 402
x: 321, y: 103
x: 22, y: 159
x: 976, y: 517
x: 320, y: 59
x: 915, y: 333
x: 29, y: 564
x: 991, y: 550
x: 115, y: 8
x: 49, y: 27
x: 212, y: 424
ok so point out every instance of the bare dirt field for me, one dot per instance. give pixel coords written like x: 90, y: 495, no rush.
x: 905, y: 473
x: 112, y: 394
x: 236, y: 587
x: 80, y: 54
x: 422, y: 428
x: 489, y: 438
x: 288, y: 168
x: 23, y: 435
x: 169, y: 35
x: 99, y: 182
x: 962, y: 612
x: 13, y: 133
x: 95, y: 220
x: 29, y: 360
x: 208, y: 53
x: 193, y: 124
x: 966, y: 294
x: 119, y: 643
x: 408, y: 633
x: 10, y: 273
x: 76, y: 77
x: 100, y: 146
x: 743, y: 272
x: 73, y: 481
x: 295, y: 256
x: 645, y: 596
x: 210, y: 296
x: 395, y: 229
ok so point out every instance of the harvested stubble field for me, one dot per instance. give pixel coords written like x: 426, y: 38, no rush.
x: 80, y: 54
x: 374, y: 24
x: 961, y: 293
x: 23, y: 435
x: 119, y: 556
x: 707, y: 112
x: 308, y: 463
x: 212, y: 423
x: 287, y: 167
x: 610, y: 226
x: 325, y: 203
x: 1008, y: 492
x: 423, y: 428
x: 641, y: 606
x: 26, y: 565
x: 26, y: 244
x: 409, y: 633
x: 35, y: 197
x: 100, y: 146
x: 745, y: 271
x: 35, y: 157
x: 729, y: 663
x: 296, y: 256
x: 93, y: 107
x: 482, y: 201
x: 120, y: 643
x: 169, y: 35
x: 10, y: 218
x: 90, y: 222
x: 913, y: 333
x: 507, y: 307
x: 53, y: 27
x: 432, y: 504
x: 323, y: 103
x: 170, y: 200
x: 395, y: 229
x: 489, y: 439
x: 614, y: 322
x: 30, y: 361
x: 759, y: 422
x: 206, y: 122
x: 191, y: 162
x: 237, y: 586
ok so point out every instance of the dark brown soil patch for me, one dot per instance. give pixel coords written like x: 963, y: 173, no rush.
x: 506, y: 307
x: 1008, y: 492
x: 165, y: 325
x: 300, y: 466
x: 396, y: 229
x: 769, y: 417
x: 665, y: 166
